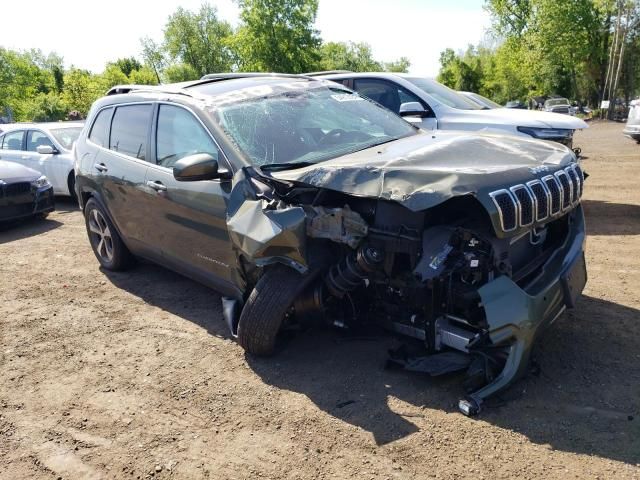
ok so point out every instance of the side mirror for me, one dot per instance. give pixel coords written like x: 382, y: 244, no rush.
x: 200, y: 166
x: 46, y: 150
x: 412, y: 109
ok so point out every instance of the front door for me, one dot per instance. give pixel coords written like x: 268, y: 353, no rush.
x: 392, y: 96
x: 50, y: 164
x: 189, y: 218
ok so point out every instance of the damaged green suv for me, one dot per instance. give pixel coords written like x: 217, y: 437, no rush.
x: 302, y: 202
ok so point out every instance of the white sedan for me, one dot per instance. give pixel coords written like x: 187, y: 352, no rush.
x: 44, y: 147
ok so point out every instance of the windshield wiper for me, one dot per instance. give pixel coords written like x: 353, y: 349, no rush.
x: 276, y: 167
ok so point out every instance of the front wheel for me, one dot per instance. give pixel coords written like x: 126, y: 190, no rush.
x: 107, y: 245
x: 269, y: 302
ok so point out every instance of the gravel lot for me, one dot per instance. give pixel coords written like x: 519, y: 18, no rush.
x: 133, y: 375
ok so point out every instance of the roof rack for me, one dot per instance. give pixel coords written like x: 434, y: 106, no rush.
x: 325, y: 72
x: 229, y: 76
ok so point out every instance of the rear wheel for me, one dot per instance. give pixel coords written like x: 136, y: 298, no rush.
x: 107, y: 245
x: 265, y: 310
x: 71, y: 184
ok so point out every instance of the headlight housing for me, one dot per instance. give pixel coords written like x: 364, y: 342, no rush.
x: 41, y: 182
x: 547, y: 133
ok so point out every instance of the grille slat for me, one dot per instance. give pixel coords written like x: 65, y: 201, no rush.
x: 566, y: 188
x: 554, y: 189
x: 15, y: 189
x: 542, y: 199
x: 575, y: 185
x: 507, y: 208
x: 525, y: 204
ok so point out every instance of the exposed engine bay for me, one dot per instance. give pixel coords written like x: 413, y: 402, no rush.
x: 374, y: 261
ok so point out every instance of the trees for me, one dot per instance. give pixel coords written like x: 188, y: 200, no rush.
x: 199, y: 40
x: 277, y: 36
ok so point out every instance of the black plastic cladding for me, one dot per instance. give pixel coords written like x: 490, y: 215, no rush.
x: 540, y: 198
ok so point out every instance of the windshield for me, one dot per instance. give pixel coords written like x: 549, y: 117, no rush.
x: 485, y: 101
x: 556, y: 101
x: 444, y: 94
x: 66, y: 136
x: 308, y: 126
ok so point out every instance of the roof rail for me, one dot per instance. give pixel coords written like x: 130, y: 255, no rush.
x: 325, y: 72
x: 230, y: 76
x: 118, y: 89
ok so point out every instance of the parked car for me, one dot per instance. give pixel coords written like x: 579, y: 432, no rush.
x: 44, y: 147
x: 632, y: 128
x: 515, y: 104
x: 23, y: 192
x: 431, y: 106
x: 301, y: 201
x: 480, y: 100
x: 558, y: 105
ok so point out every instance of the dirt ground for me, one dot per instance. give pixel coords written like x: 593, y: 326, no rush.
x: 133, y: 375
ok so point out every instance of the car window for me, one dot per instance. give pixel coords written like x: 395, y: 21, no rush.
x: 129, y: 129
x: 66, y: 136
x: 100, y: 129
x: 13, y: 140
x: 387, y: 94
x: 36, y: 139
x: 180, y: 134
x: 443, y: 94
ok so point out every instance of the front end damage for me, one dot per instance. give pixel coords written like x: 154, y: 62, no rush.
x: 472, y: 291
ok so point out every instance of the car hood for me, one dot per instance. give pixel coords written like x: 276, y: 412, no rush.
x: 12, y: 172
x: 516, y: 117
x: 426, y: 169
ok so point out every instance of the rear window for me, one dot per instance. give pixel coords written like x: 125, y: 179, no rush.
x: 13, y: 140
x: 100, y: 129
x: 129, y: 129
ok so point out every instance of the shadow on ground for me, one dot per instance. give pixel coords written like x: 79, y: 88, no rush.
x: 25, y: 228
x: 586, y: 399
x: 608, y: 218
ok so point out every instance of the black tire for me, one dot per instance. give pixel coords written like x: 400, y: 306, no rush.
x: 71, y: 184
x: 42, y: 216
x: 262, y: 315
x: 112, y: 252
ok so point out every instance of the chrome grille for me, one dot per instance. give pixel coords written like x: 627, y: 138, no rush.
x: 541, y: 194
x: 523, y: 205
x: 507, y: 208
x: 562, y: 176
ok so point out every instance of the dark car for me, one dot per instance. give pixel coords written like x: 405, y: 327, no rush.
x: 515, y: 104
x: 302, y: 201
x: 23, y: 192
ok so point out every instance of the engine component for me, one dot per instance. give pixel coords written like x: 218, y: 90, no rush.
x: 341, y: 225
x: 350, y: 272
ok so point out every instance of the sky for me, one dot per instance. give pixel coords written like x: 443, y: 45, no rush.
x: 89, y: 33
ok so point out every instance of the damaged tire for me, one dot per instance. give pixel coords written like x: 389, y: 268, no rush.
x: 264, y: 312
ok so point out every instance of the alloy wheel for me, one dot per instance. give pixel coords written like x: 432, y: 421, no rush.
x: 101, y: 235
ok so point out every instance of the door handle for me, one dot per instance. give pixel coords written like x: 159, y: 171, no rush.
x: 101, y: 167
x: 157, y: 186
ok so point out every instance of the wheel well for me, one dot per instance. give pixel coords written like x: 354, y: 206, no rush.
x: 85, y: 198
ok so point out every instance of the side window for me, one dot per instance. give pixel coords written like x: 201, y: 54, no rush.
x: 36, y: 139
x: 385, y: 93
x: 180, y: 134
x: 129, y: 129
x: 13, y: 140
x: 100, y: 129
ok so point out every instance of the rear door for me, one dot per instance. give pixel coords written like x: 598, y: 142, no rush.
x: 121, y: 172
x: 12, y: 148
x: 189, y: 218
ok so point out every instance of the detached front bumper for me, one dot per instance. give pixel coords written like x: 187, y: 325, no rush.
x: 31, y: 203
x: 517, y: 316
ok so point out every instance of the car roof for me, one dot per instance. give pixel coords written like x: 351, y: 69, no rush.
x: 206, y: 88
x: 330, y: 75
x: 42, y: 126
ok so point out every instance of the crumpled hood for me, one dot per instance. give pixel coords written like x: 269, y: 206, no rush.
x: 426, y: 169
x: 14, y: 172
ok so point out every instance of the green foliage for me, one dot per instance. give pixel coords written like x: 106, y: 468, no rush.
x: 356, y: 57
x: 277, y: 36
x: 180, y: 72
x: 127, y: 65
x: 46, y: 107
x: 200, y: 40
